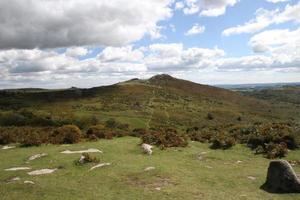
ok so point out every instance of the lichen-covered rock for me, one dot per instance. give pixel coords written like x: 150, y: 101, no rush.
x: 281, y: 178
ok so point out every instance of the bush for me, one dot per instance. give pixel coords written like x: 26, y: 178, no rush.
x: 138, y: 132
x: 273, y: 151
x: 263, y: 134
x: 203, y: 135
x: 67, y: 134
x: 31, y: 139
x: 99, y: 131
x: 111, y: 123
x: 165, y: 138
x: 222, y: 141
x: 5, y: 137
x: 87, y: 158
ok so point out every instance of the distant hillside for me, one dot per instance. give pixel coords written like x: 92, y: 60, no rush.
x: 159, y: 101
x: 288, y: 94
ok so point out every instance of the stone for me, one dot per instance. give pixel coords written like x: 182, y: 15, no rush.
x: 34, y: 157
x: 147, y: 148
x: 149, y: 169
x: 100, y: 165
x: 82, y: 151
x: 281, y: 178
x: 41, y: 172
x: 18, y: 168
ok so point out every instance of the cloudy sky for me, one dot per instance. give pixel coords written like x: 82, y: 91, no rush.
x: 86, y: 43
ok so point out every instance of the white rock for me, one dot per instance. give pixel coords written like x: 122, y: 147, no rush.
x: 147, y: 148
x: 29, y: 182
x: 41, y: 172
x: 149, y: 168
x: 15, y: 179
x: 40, y: 155
x: 100, y: 165
x: 251, y: 178
x: 82, y: 151
x: 238, y: 162
x: 17, y: 168
x: 8, y: 147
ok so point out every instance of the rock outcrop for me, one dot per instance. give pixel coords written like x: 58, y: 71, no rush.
x: 281, y: 178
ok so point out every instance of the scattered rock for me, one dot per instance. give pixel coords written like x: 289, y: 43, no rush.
x: 200, y: 157
x: 281, y: 178
x: 149, y: 169
x: 29, y: 182
x: 100, y: 165
x: 83, y: 151
x: 239, y: 162
x: 147, y: 148
x: 14, y: 179
x: 8, y: 147
x: 251, y: 178
x: 34, y: 157
x: 158, y: 188
x: 41, y: 172
x: 18, y: 168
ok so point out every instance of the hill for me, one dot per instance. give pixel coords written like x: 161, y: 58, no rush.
x: 159, y: 101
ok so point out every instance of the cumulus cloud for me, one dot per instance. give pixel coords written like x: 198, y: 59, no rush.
x: 29, y: 24
x: 175, y: 57
x: 209, y: 8
x: 76, y: 51
x: 196, y: 29
x: 265, y: 18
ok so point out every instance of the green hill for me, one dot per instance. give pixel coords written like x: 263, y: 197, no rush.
x: 159, y: 101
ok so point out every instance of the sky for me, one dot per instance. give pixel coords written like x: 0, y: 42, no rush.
x: 88, y: 43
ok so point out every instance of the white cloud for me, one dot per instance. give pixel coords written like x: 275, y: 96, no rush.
x: 31, y: 24
x: 209, y: 8
x: 110, y: 54
x: 174, y: 57
x: 277, y: 1
x: 76, y: 51
x: 265, y: 18
x: 196, y: 29
x: 179, y: 5
x: 49, y: 68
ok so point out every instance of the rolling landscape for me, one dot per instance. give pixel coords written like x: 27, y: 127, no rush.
x: 150, y: 99
x: 128, y: 110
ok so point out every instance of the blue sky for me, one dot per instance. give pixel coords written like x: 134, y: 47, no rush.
x: 88, y: 43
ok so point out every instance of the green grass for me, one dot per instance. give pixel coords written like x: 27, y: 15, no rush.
x: 179, y: 173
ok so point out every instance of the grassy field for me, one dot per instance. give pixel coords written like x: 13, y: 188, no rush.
x: 178, y: 173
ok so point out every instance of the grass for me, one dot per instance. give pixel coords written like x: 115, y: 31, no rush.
x: 178, y: 172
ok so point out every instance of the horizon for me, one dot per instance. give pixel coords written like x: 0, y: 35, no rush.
x: 95, y: 43
x: 225, y: 86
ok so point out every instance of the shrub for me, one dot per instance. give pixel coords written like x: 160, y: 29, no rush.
x: 99, y: 131
x: 5, y: 137
x: 222, y: 141
x: 165, y: 138
x: 31, y: 139
x: 111, y: 123
x: 67, y: 134
x: 203, y: 135
x: 138, y: 132
x: 87, y: 158
x: 276, y: 150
